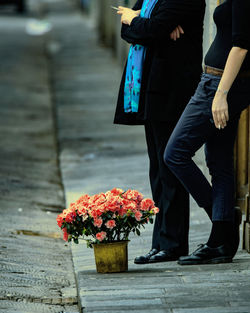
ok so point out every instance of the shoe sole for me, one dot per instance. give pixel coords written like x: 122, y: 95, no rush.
x: 141, y: 262
x: 166, y: 260
x: 211, y: 261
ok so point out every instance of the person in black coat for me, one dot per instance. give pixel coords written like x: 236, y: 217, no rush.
x: 170, y: 75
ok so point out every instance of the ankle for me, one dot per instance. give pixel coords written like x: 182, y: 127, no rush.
x: 221, y: 234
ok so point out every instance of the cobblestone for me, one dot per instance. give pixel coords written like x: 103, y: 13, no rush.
x: 35, y: 264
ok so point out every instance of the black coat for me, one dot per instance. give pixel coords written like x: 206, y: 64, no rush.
x: 171, y: 71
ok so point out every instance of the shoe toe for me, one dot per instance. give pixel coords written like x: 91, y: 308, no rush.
x: 182, y: 258
x: 141, y: 260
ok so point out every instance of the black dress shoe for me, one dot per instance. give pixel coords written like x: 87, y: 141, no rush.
x: 207, y: 255
x: 164, y: 256
x: 144, y: 259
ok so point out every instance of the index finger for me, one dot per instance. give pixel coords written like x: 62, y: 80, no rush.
x: 180, y: 29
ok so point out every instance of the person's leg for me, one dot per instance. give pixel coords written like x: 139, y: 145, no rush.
x: 191, y: 132
x: 155, y: 182
x: 219, y: 158
x: 172, y: 222
x: 219, y: 151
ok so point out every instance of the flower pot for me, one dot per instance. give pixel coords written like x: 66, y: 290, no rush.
x: 111, y: 257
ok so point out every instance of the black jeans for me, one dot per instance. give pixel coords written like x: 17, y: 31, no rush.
x: 172, y: 222
x: 195, y: 128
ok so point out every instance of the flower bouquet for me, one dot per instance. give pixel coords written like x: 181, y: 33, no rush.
x: 106, y: 218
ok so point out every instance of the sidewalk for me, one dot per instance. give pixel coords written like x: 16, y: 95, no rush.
x: 96, y: 156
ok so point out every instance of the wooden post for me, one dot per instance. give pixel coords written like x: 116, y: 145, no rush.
x: 242, y: 159
x: 244, y: 173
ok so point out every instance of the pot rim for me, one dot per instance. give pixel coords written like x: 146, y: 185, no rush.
x: 111, y: 243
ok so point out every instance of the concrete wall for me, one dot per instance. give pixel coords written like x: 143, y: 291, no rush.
x: 209, y: 26
x: 108, y: 24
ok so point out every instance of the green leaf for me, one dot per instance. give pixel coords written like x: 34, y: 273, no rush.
x: 89, y: 243
x: 137, y: 231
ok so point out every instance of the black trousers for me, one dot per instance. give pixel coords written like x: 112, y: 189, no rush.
x: 172, y: 222
x: 195, y: 128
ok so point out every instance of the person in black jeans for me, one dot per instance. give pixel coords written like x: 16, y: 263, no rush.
x: 211, y: 117
x: 171, y: 72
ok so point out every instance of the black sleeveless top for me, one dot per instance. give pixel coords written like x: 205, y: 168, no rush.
x: 232, y: 19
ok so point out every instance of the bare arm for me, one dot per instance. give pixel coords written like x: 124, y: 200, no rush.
x: 232, y: 68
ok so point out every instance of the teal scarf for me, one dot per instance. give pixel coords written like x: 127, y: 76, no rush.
x: 134, y: 68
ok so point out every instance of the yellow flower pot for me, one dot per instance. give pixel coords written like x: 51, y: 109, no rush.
x: 111, y: 257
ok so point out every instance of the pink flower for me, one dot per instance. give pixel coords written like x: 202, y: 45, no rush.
x: 116, y: 191
x: 138, y: 216
x: 122, y: 211
x: 83, y: 200
x: 69, y: 214
x: 93, y: 214
x: 110, y: 224
x: 113, y: 203
x: 132, y: 206
x: 156, y: 210
x: 59, y: 220
x: 65, y: 234
x: 98, y: 222
x: 98, y: 199
x: 70, y: 217
x: 147, y: 204
x: 101, y: 236
x: 81, y: 210
x: 133, y: 195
